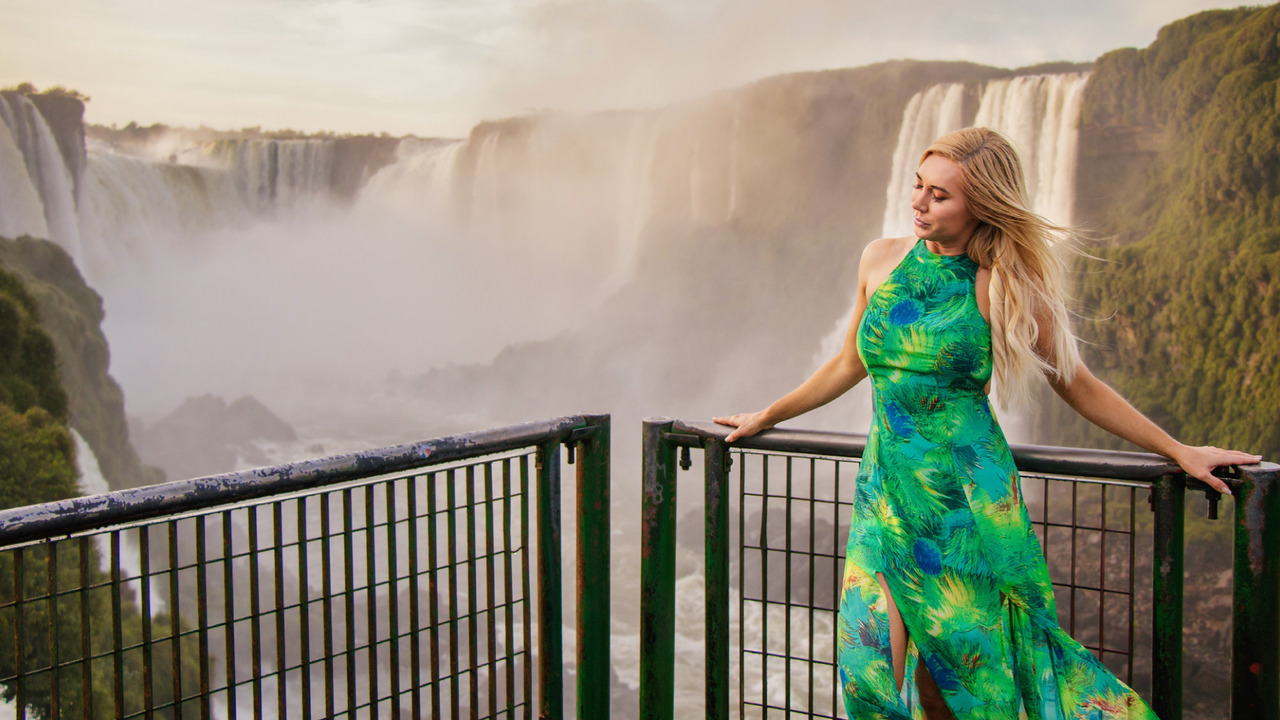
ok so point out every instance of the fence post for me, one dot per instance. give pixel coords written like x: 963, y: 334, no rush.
x: 715, y: 455
x: 1255, y: 617
x: 550, y: 615
x: 593, y: 589
x: 1168, y: 494
x: 657, y: 573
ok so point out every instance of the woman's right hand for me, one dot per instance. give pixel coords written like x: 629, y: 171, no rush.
x: 745, y: 424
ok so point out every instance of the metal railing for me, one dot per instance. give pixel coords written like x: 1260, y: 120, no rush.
x: 394, y: 582
x: 776, y: 517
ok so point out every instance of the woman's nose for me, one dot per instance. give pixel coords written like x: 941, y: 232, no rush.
x: 917, y: 201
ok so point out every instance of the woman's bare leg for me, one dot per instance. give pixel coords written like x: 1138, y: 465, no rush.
x: 935, y: 707
x: 897, y: 634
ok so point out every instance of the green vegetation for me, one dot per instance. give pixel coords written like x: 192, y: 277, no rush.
x: 71, y: 314
x: 1184, y: 308
x: 38, y: 465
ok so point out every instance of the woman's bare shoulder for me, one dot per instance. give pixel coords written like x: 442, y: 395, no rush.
x: 885, y: 254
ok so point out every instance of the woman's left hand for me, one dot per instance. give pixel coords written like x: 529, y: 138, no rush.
x: 1199, y: 462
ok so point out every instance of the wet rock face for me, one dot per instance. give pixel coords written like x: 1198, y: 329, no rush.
x: 206, y: 435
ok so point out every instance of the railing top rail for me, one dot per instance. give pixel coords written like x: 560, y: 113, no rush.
x: 1081, y: 462
x: 24, y: 524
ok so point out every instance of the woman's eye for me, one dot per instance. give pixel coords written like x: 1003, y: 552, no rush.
x: 938, y: 199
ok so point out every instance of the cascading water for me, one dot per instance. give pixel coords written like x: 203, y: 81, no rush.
x: 46, y: 170
x: 1039, y: 114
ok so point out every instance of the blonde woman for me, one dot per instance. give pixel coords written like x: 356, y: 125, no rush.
x: 945, y: 586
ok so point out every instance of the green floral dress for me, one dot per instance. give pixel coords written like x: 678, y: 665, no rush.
x: 939, y: 512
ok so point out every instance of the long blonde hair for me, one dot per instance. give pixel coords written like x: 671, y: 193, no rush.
x: 1018, y: 246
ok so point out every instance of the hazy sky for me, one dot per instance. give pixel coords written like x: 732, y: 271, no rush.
x: 437, y: 67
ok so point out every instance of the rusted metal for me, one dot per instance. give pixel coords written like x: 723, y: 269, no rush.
x: 657, y: 573
x: 491, y: 599
x: 255, y: 615
x: 51, y: 520
x: 593, y: 582
x: 1255, y: 637
x: 1256, y: 596
x: 393, y: 601
x: 370, y: 600
x: 51, y: 584
x: 1168, y: 495
x: 550, y: 611
x: 228, y: 614
x: 473, y: 644
x: 717, y: 579
x: 433, y: 599
x: 304, y: 606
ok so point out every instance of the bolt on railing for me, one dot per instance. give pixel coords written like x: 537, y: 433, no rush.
x: 1255, y: 650
x: 388, y: 582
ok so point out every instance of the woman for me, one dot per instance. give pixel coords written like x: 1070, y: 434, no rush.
x: 944, y: 580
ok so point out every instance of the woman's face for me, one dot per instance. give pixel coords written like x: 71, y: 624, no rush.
x: 941, y: 212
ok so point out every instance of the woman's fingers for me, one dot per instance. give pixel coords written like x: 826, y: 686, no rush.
x: 744, y: 424
x: 1202, y: 460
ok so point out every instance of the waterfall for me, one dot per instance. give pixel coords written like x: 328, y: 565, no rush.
x: 21, y: 211
x: 47, y: 174
x: 929, y: 115
x: 419, y: 186
x: 1039, y: 114
x: 635, y: 193
x: 132, y: 210
x: 287, y: 174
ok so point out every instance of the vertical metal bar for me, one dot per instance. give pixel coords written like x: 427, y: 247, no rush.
x: 550, y: 617
x: 1255, y: 630
x: 202, y: 617
x: 371, y: 599
x: 1133, y: 580
x: 764, y: 586
x: 326, y: 580
x: 491, y: 609
x: 19, y: 639
x: 282, y: 660
x: 144, y: 598
x: 175, y: 613
x: 1168, y: 493
x: 451, y: 503
x: 117, y: 631
x: 415, y: 619
x: 1075, y: 530
x: 255, y: 613
x: 813, y: 471
x: 786, y: 598
x: 349, y: 597
x: 508, y: 578
x: 593, y: 508
x: 657, y: 573
x: 228, y: 613
x: 742, y: 587
x: 304, y: 608
x: 1102, y: 580
x: 393, y: 602
x: 433, y: 601
x: 525, y: 575
x: 837, y: 579
x: 51, y: 583
x: 715, y: 456
x: 86, y: 647
x: 473, y: 649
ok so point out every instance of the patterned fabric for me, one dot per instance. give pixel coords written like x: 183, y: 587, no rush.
x: 939, y: 512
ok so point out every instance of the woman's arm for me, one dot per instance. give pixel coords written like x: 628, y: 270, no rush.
x: 1099, y: 404
x: 837, y: 375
